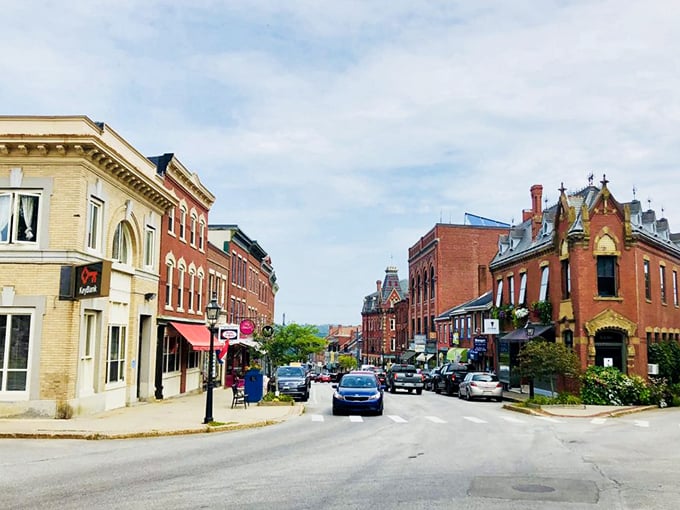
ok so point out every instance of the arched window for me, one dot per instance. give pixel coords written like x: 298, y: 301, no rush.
x: 122, y: 245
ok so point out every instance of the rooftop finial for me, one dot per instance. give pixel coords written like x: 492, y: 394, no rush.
x: 649, y: 203
x: 590, y: 179
x: 604, y: 181
x: 562, y: 189
x: 634, y: 191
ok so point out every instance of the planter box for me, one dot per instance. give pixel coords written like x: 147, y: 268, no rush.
x: 262, y: 403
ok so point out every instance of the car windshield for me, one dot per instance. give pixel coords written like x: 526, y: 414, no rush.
x: 290, y: 372
x: 354, y: 381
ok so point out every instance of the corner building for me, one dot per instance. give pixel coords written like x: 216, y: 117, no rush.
x: 607, y: 270
x: 74, y: 194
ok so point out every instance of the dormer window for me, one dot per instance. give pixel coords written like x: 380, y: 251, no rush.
x: 546, y: 228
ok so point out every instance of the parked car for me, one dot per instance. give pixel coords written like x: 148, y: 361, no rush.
x: 358, y: 392
x: 481, y: 385
x: 291, y: 380
x: 382, y: 377
x: 429, y: 378
x: 449, y: 378
x: 324, y: 377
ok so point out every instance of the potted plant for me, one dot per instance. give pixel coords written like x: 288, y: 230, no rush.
x: 543, y: 311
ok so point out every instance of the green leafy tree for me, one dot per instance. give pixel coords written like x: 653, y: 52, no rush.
x: 347, y: 363
x: 540, y: 359
x: 292, y: 342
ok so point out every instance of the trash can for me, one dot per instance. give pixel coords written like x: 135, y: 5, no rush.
x: 253, y: 385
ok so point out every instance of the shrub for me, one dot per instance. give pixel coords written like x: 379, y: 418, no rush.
x: 271, y: 397
x: 608, y: 386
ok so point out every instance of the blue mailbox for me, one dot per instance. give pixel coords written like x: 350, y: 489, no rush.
x: 253, y: 385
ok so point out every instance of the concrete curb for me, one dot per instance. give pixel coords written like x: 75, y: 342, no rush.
x: 541, y: 412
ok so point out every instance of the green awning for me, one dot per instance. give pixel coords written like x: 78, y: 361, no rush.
x: 457, y: 354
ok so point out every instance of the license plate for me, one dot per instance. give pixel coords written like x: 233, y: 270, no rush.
x: 409, y: 384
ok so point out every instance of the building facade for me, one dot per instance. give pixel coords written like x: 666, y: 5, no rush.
x: 182, y: 334
x: 448, y: 266
x: 80, y: 215
x: 594, y: 273
x: 378, y: 319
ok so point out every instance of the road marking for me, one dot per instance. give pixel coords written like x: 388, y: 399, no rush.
x: 355, y: 419
x: 397, y: 419
x: 317, y: 417
x: 546, y: 418
x: 512, y: 419
x: 474, y: 420
x: 435, y: 419
x: 598, y: 421
x: 641, y: 423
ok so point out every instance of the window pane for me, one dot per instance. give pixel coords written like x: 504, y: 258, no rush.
x: 3, y: 332
x: 18, y: 342
x: 5, y: 213
x: 16, y: 381
x: 27, y: 222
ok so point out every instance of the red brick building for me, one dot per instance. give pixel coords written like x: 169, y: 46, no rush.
x: 601, y: 275
x: 378, y: 319
x: 246, y: 293
x: 448, y: 266
x: 181, y: 332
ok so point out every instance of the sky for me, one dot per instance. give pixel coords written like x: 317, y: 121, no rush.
x: 337, y: 133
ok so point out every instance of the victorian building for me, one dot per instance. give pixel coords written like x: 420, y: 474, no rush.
x: 378, y: 319
x: 597, y: 274
x: 80, y: 219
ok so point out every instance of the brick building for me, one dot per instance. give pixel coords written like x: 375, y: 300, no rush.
x: 378, y: 319
x: 247, y: 297
x: 601, y: 276
x: 448, y: 266
x: 80, y: 216
x: 182, y: 335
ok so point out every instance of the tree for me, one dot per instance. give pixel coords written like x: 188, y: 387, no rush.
x: 540, y: 359
x: 347, y: 362
x: 292, y: 342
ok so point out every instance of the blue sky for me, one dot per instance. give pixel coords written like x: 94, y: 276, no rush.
x: 338, y: 133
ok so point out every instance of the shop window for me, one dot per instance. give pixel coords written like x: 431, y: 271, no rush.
x: 14, y: 344
x: 115, y: 354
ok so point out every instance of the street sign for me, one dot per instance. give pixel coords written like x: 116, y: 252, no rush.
x: 491, y: 327
x: 267, y: 331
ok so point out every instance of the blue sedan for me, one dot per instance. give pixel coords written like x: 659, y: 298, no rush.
x: 357, y: 393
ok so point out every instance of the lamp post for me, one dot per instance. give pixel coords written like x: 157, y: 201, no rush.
x: 212, y: 312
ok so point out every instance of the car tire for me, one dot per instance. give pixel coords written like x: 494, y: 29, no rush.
x: 499, y: 399
x: 449, y: 391
x: 335, y: 412
x: 419, y: 391
x: 393, y: 389
x: 460, y: 394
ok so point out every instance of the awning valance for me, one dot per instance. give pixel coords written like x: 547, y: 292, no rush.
x: 520, y: 334
x: 424, y: 357
x: 198, y: 335
x: 247, y: 342
x: 457, y: 354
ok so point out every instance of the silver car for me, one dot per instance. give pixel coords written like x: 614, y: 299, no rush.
x: 481, y: 385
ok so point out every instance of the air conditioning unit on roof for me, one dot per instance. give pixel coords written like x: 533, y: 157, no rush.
x: 653, y: 369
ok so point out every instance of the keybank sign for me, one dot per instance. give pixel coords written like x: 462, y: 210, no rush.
x: 92, y: 280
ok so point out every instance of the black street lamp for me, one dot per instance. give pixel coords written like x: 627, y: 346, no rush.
x: 212, y: 311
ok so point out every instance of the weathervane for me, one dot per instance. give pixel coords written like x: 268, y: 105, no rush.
x: 590, y: 179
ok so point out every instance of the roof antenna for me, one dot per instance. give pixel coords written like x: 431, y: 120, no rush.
x: 634, y: 191
x: 649, y: 203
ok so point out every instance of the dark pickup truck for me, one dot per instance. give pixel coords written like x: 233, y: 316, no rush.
x: 404, y: 377
x: 449, y: 378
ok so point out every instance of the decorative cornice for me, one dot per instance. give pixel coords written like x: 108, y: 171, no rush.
x: 102, y: 157
x: 609, y: 319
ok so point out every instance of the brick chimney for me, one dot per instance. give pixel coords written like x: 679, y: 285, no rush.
x: 536, y: 197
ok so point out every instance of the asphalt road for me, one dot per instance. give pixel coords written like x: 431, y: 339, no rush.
x: 426, y: 452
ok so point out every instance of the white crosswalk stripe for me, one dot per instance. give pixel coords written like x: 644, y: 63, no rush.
x: 317, y: 417
x: 641, y: 423
x: 598, y: 421
x: 511, y: 419
x: 474, y: 420
x: 434, y: 419
x: 355, y: 419
x: 397, y: 419
x: 547, y: 418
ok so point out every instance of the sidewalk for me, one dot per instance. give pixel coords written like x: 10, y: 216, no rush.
x: 173, y: 416
x: 568, y: 411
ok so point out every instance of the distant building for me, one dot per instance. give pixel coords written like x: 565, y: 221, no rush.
x: 597, y: 274
x: 378, y: 319
x: 448, y: 266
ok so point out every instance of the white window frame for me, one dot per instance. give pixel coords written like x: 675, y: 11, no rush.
x: 499, y: 293
x: 192, y: 283
x: 94, y: 224
x: 675, y: 288
x: 543, y: 293
x: 168, y: 285
x: 117, y: 333
x: 7, y: 366
x: 522, y: 289
x: 12, y: 210
x: 181, y: 273
x: 90, y: 327
x: 171, y: 221
x: 511, y: 288
x: 201, y: 235
x: 149, y: 246
x: 121, y: 248
x: 199, y: 294
x: 182, y: 223
x: 192, y: 231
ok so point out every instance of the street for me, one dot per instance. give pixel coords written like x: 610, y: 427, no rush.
x: 427, y: 451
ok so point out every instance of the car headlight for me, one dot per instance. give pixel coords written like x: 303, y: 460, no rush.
x: 375, y: 396
x: 338, y: 396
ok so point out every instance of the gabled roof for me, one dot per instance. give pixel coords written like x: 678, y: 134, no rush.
x: 477, y: 304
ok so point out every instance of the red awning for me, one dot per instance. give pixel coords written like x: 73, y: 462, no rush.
x: 197, y: 335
